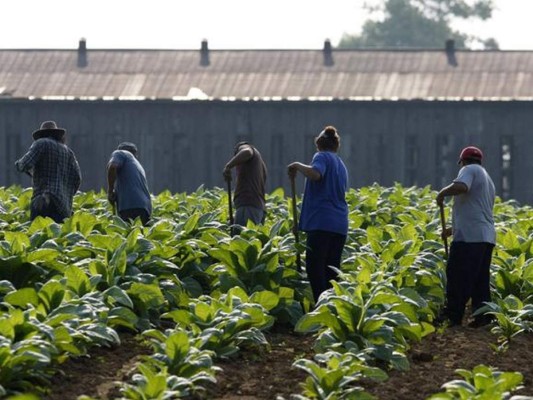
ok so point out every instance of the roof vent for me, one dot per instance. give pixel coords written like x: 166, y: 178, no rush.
x: 204, y: 54
x: 450, y: 53
x: 328, y: 53
x: 82, y: 53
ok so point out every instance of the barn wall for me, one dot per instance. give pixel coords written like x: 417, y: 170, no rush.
x: 185, y: 144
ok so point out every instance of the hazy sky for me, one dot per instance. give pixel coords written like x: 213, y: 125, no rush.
x: 226, y: 24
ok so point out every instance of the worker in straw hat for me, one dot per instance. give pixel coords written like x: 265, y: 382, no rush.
x: 54, y: 170
x: 474, y: 237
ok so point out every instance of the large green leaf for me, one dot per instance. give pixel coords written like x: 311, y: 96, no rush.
x: 43, y: 255
x: 312, y: 322
x: 149, y: 295
x: 18, y: 241
x: 22, y: 297
x: 119, y: 260
x: 51, y: 295
x: 177, y: 346
x: 19, y: 272
x: 118, y: 296
x: 77, y: 280
x: 229, y: 259
x: 191, y: 223
x: 265, y: 298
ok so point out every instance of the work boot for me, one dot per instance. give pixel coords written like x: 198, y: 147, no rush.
x: 481, y: 320
x: 443, y: 319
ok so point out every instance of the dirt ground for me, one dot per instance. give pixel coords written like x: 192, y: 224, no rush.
x: 268, y: 374
x: 434, y: 360
x: 95, y: 375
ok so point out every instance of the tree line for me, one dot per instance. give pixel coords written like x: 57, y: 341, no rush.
x: 420, y: 24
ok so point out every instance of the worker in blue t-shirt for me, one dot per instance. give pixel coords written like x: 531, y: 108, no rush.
x: 127, y: 188
x: 324, y: 214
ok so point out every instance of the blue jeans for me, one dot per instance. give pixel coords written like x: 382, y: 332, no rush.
x: 323, y: 249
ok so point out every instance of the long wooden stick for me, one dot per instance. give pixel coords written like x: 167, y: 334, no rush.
x: 443, y: 223
x: 230, y: 203
x: 295, y: 221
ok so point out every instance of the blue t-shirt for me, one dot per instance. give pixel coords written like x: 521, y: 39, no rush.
x: 130, y: 186
x: 324, y: 204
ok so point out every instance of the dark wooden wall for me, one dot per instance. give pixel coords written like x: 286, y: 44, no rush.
x: 183, y: 145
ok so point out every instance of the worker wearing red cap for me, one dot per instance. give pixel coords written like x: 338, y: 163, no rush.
x: 474, y: 237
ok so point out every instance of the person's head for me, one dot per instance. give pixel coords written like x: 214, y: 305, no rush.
x: 239, y: 145
x: 49, y: 129
x: 128, y: 146
x: 328, y: 139
x: 470, y: 155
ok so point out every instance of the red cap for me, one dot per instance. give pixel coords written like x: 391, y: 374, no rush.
x: 470, y: 152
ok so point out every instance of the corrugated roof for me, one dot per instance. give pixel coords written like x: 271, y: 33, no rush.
x: 178, y: 74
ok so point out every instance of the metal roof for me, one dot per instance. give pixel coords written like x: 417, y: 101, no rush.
x: 266, y: 74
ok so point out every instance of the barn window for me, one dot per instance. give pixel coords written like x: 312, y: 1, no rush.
x: 506, y: 146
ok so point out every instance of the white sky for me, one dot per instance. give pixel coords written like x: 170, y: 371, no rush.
x: 226, y: 24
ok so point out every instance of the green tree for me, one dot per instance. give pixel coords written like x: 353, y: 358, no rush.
x: 420, y: 24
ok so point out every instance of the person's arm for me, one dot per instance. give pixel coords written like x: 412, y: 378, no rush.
x: 453, y: 189
x: 28, y: 160
x: 307, y: 170
x: 112, y: 169
x: 244, y: 154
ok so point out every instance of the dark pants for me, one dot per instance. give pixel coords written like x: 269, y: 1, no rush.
x: 323, y: 249
x: 245, y: 213
x: 41, y: 208
x: 468, y: 276
x: 133, y: 213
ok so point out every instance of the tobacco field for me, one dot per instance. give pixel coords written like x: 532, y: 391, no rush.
x: 200, y: 305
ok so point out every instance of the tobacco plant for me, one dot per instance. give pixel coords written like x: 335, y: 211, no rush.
x: 481, y: 383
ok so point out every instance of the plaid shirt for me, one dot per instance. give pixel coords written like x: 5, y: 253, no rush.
x: 55, y: 170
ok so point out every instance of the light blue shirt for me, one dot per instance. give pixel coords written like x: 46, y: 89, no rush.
x: 472, y: 219
x: 324, y: 204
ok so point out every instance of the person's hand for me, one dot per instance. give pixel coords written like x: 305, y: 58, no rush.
x: 227, y: 173
x: 41, y: 202
x: 112, y: 197
x: 292, y: 170
x: 446, y: 233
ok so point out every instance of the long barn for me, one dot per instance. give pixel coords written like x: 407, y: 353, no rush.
x: 403, y: 115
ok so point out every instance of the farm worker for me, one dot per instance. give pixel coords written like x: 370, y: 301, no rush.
x: 474, y: 237
x: 249, y: 197
x: 324, y: 213
x: 54, y: 170
x: 127, y: 188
